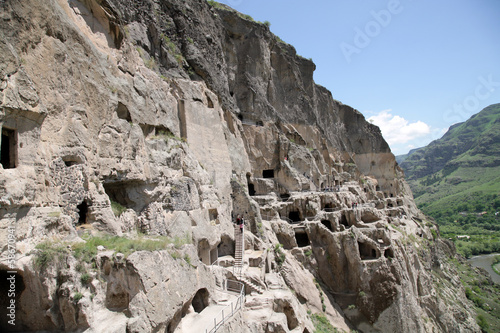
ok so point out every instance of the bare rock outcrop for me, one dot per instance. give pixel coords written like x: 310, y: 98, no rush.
x: 147, y: 128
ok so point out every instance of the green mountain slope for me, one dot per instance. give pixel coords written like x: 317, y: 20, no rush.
x: 456, y: 179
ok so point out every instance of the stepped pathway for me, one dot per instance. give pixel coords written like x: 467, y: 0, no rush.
x: 251, y: 285
x: 239, y: 238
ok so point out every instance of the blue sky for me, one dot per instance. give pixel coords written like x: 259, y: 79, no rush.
x: 412, y: 67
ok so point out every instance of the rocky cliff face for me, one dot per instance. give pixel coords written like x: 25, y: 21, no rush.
x: 184, y: 116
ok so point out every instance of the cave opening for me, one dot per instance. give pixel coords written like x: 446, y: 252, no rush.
x: 328, y: 207
x: 8, y: 147
x: 343, y: 221
x: 213, y: 214
x: 294, y: 216
x: 200, y: 300
x: 284, y: 196
x: 388, y: 253
x: 302, y: 239
x: 366, y: 252
x: 83, y: 209
x: 327, y: 224
x: 269, y: 173
x: 118, y: 194
x: 251, y: 189
x: 226, y: 246
x: 122, y: 112
x: 204, y: 251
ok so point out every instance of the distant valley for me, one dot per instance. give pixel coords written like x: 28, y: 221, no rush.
x: 456, y: 180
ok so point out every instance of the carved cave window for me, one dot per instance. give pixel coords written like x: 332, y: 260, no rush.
x: 9, y: 148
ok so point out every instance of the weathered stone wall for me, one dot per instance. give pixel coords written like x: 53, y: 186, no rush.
x: 174, y: 110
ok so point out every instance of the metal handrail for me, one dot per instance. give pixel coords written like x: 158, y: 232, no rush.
x: 234, y: 307
x: 286, y: 219
x: 266, y: 217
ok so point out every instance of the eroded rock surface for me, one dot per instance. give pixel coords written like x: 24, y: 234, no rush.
x: 185, y: 116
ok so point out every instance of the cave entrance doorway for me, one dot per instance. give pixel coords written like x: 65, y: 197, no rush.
x: 251, y: 189
x: 268, y: 173
x: 327, y: 224
x: 302, y: 238
x: 83, y: 209
x: 366, y: 252
x: 343, y: 221
x: 328, y: 207
x: 204, y: 252
x: 294, y: 216
x: 9, y: 145
x: 284, y: 196
x: 200, y: 300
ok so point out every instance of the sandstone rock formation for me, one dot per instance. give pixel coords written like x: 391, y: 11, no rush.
x: 185, y: 116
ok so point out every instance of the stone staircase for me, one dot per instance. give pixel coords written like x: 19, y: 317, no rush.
x: 239, y: 238
x: 253, y: 287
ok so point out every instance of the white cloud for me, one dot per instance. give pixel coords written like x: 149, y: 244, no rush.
x: 397, y: 130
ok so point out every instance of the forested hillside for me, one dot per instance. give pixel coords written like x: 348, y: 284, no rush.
x: 456, y: 180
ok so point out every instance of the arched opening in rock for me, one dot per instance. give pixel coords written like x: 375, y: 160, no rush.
x: 251, y: 189
x: 117, y: 193
x: 70, y: 160
x: 377, y: 188
x: 302, y: 238
x: 366, y: 251
x: 11, y: 288
x: 204, y: 251
x: 259, y: 123
x: 328, y: 207
x: 200, y: 300
x: 284, y: 196
x: 117, y: 297
x: 327, y: 224
x: 251, y: 186
x: 294, y: 216
x: 83, y: 209
x: 9, y: 148
x: 213, y: 215
x: 291, y: 319
x: 122, y: 112
x: 269, y: 173
x: 343, y: 220
x: 226, y: 246
x: 390, y: 205
x: 389, y: 253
